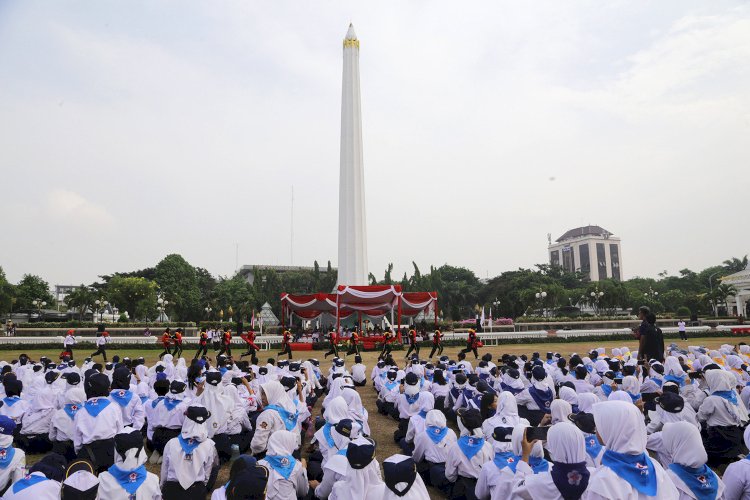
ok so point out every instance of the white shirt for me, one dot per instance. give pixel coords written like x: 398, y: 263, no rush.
x: 737, y: 480
x: 203, y: 459
x: 494, y: 483
x: 15, y: 470
x: 458, y: 465
x: 681, y: 326
x: 425, y: 448
x: 133, y: 413
x: 359, y: 373
x: 110, y: 489
x: 604, y: 484
x: 43, y: 490
x: 286, y: 489
x: 88, y: 428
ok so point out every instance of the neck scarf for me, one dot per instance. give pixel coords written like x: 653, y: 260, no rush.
x: 436, y: 434
x: 423, y: 414
x: 412, y: 399
x: 637, y: 470
x: 95, y: 406
x: 606, y: 389
x: 593, y: 446
x: 71, y: 409
x: 6, y: 456
x: 283, y: 464
x: 327, y: 435
x: 171, y: 403
x: 156, y: 401
x: 391, y: 385
x: 509, y: 389
x: 29, y: 480
x: 674, y: 378
x: 289, y: 418
x: 129, y: 480
x: 188, y: 445
x: 702, y: 481
x: 506, y: 459
x: 538, y: 464
x: 121, y: 397
x: 10, y: 401
x: 543, y: 399
x: 571, y: 479
x: 730, y: 396
x: 470, y: 445
x: 143, y: 399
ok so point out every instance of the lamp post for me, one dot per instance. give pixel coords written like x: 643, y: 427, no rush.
x: 651, y: 294
x: 208, y: 311
x: 540, y: 296
x: 711, y: 287
x: 161, y: 306
x: 596, y: 296
x: 38, y: 305
x: 100, y: 304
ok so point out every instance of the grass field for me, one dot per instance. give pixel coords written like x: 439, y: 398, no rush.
x: 382, y: 427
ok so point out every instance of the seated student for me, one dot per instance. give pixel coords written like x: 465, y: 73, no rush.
x: 607, y: 385
x: 467, y: 456
x: 95, y: 426
x: 534, y: 402
x: 439, y: 388
x: 168, y: 417
x: 496, y: 479
x: 239, y: 429
x: 128, y: 478
x: 417, y: 423
x: 133, y: 413
x: 336, y: 411
x: 62, y: 427
x: 409, y: 404
x: 737, y: 476
x: 42, y: 482
x: 335, y: 467
x: 13, y: 405
x: 567, y: 477
x: 671, y: 408
x: 12, y: 460
x: 190, y: 459
x: 35, y: 428
x: 725, y: 416
x: 161, y: 388
x: 431, y: 448
x: 401, y: 481
x: 389, y: 394
x: 627, y: 472
x: 356, y: 409
x: 280, y: 414
x: 594, y: 449
x: 358, y: 371
x: 80, y: 482
x: 287, y: 478
x: 362, y: 477
x: 247, y: 481
x: 688, y: 470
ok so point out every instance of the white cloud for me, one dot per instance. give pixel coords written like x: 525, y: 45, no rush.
x: 71, y: 208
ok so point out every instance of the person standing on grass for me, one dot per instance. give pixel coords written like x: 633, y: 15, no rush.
x: 177, y: 340
x: 226, y: 343
x: 286, y: 345
x: 166, y: 340
x: 650, y: 338
x: 202, y: 344
x: 101, y: 345
x: 413, y: 343
x: 69, y: 341
x: 332, y: 339
x: 681, y: 328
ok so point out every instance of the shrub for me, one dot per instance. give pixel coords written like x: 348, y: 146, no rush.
x: 683, y: 312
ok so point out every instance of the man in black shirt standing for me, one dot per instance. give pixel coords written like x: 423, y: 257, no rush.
x: 651, y: 340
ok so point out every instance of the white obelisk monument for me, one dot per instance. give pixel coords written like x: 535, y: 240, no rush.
x: 352, y: 228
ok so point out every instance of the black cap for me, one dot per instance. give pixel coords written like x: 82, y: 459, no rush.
x: 360, y: 453
x: 72, y: 378
x: 198, y: 414
x: 249, y: 484
x: 129, y: 441
x: 513, y: 373
x: 289, y: 383
x: 344, y: 427
x: 96, y: 386
x: 538, y: 373
x: 263, y: 370
x: 584, y: 421
x: 502, y: 434
x: 213, y: 378
x: 175, y: 387
x: 658, y: 368
x: 581, y: 372
x: 411, y: 379
x: 402, y: 473
x: 671, y: 402
x: 52, y: 466
x: 50, y: 377
x: 670, y: 387
x: 470, y: 417
x: 461, y: 378
x: 121, y: 378
x: 294, y: 366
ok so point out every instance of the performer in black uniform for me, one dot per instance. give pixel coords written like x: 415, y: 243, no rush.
x: 353, y: 343
x: 437, y: 343
x: 286, y: 346
x: 387, y: 348
x: 332, y: 338
x: 202, y: 344
x: 413, y: 344
x: 471, y: 344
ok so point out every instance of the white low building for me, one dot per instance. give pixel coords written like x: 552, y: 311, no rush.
x: 737, y: 303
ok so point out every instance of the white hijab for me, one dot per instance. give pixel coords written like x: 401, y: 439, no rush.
x: 281, y: 443
x: 517, y: 441
x: 507, y: 405
x: 586, y: 401
x: 276, y: 395
x: 672, y: 367
x: 631, y: 385
x: 569, y: 395
x: 621, y: 427
x: 684, y: 444
x: 193, y: 430
x: 336, y: 411
x: 566, y: 444
x: 218, y: 403
x: 620, y: 396
x: 355, y: 408
x: 559, y: 410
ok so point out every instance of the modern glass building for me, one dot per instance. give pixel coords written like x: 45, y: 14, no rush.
x: 591, y: 250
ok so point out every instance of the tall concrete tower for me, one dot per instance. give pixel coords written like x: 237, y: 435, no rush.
x: 352, y: 220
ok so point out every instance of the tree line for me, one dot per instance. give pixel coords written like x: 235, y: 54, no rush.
x: 194, y: 294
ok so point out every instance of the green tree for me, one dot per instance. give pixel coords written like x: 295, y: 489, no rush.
x: 30, y: 288
x: 7, y: 293
x: 206, y: 286
x: 735, y: 265
x: 137, y: 296
x: 81, y: 299
x: 235, y: 292
x: 179, y: 282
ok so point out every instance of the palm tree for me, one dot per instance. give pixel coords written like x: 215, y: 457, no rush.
x: 720, y: 294
x: 735, y: 265
x: 82, y: 298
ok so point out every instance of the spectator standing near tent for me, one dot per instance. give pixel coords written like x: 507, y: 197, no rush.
x: 651, y: 340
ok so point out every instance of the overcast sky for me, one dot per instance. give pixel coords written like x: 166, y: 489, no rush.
x: 130, y: 130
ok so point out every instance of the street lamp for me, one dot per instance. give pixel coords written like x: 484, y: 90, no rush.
x: 651, y: 294
x: 161, y: 306
x: 540, y: 296
x: 101, y: 304
x: 208, y: 311
x: 596, y: 296
x: 39, y: 304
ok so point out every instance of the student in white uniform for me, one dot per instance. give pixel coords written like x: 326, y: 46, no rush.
x: 467, y: 456
x: 401, y: 481
x: 359, y: 372
x: 356, y: 409
x: 36, y: 420
x: 288, y: 478
x: 336, y: 465
x: 627, y: 472
x: 496, y: 479
x: 189, y: 459
x: 431, y: 448
x: 537, y: 398
x: 336, y: 411
x: 128, y: 478
x: 280, y: 413
x: 737, y: 476
x: 95, y: 426
x: 688, y: 470
x: 724, y: 416
x: 594, y: 449
x: 418, y: 422
x: 133, y: 413
x: 568, y: 476
x: 12, y: 460
x: 362, y: 477
x: 80, y: 482
x: 168, y: 416
x: 13, y: 405
x: 43, y: 481
x: 247, y: 481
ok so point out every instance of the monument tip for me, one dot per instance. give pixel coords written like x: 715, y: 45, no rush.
x: 351, y: 35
